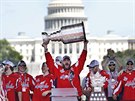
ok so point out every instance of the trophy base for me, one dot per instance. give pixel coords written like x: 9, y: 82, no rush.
x: 97, y: 96
x: 64, y: 94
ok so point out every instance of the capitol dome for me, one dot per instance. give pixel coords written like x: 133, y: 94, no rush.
x: 64, y: 12
x: 65, y: 3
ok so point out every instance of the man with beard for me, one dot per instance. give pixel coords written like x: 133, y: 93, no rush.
x: 67, y: 75
x: 112, y: 82
x: 113, y: 68
x: 126, y: 83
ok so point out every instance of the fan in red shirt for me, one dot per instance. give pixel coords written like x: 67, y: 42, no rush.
x: 26, y: 81
x: 10, y: 80
x: 67, y: 75
x: 43, y: 86
x: 126, y: 83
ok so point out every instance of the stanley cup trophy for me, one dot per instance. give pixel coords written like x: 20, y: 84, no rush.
x: 67, y: 34
x: 97, y: 82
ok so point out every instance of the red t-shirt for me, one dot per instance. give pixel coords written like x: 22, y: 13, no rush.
x: 27, y: 84
x: 43, y: 83
x: 63, y: 76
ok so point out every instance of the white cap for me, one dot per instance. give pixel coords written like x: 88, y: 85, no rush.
x: 7, y: 62
x: 58, y: 58
x: 130, y: 60
x: 111, y: 62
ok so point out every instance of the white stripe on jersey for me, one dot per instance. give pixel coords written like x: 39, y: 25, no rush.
x: 118, y: 87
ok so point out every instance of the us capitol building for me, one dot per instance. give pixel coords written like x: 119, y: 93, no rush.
x: 60, y: 13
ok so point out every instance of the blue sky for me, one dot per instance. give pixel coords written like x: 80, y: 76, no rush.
x: 28, y: 16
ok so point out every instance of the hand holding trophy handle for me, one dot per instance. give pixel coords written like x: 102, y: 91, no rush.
x: 55, y: 36
x: 45, y: 38
x: 45, y: 41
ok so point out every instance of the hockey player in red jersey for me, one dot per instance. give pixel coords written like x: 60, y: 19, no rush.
x: 26, y: 81
x: 10, y: 80
x: 67, y: 75
x: 43, y: 86
x: 126, y: 83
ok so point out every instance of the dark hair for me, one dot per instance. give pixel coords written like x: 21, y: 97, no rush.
x: 22, y: 63
x: 66, y: 57
x: 11, y: 68
x: 44, y: 63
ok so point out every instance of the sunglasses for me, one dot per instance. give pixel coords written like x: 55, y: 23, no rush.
x: 129, y: 63
x: 111, y: 64
x: 22, y: 65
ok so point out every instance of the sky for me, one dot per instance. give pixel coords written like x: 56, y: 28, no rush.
x: 103, y: 15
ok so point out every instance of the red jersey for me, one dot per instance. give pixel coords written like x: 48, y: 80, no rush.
x: 126, y: 82
x: 27, y: 83
x: 10, y: 83
x: 88, y: 80
x: 43, y: 83
x: 63, y: 76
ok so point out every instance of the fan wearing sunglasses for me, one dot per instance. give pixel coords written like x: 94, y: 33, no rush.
x: 113, y: 71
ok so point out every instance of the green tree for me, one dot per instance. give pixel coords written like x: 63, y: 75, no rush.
x: 8, y: 52
x: 122, y: 56
x: 125, y: 55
